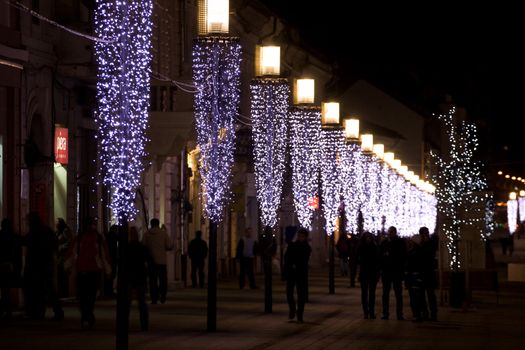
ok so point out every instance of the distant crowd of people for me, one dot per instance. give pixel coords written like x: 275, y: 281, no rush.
x: 50, y: 258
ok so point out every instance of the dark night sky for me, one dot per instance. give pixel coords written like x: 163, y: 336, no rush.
x: 473, y: 53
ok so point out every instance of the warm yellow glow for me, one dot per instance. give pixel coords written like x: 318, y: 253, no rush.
x: 367, y: 142
x: 513, y: 178
x: 218, y: 16
x: 512, y: 195
x: 304, y: 91
x: 519, y: 178
x: 431, y: 188
x: 522, y: 193
x: 351, y: 128
x: 409, y: 175
x: 214, y: 16
x: 267, y: 60
x: 507, y: 176
x: 396, y: 164
x: 414, y: 179
x: 330, y: 113
x: 389, y: 157
x: 379, y: 150
x: 403, y: 170
x: 500, y: 172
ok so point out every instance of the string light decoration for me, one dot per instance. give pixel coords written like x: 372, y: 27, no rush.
x: 512, y: 212
x: 371, y: 200
x: 332, y: 141
x: 216, y: 74
x: 123, y: 56
x: 459, y: 176
x: 305, y: 129
x: 352, y: 184
x: 269, y: 109
x: 521, y: 206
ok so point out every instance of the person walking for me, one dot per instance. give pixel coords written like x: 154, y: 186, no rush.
x: 197, y: 251
x: 368, y: 261
x: 393, y: 260
x: 158, y: 243
x: 40, y: 269
x: 414, y: 278
x: 428, y: 248
x: 246, y: 249
x: 10, y: 266
x: 112, y: 241
x: 89, y: 252
x: 296, y: 274
x: 136, y: 268
x: 64, y: 238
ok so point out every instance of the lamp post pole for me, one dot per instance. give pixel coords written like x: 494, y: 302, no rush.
x: 269, y: 110
x: 216, y: 74
x: 332, y: 141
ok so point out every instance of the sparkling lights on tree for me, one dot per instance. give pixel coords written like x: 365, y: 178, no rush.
x: 332, y: 142
x: 216, y: 74
x: 123, y: 86
x: 269, y: 110
x: 459, y: 176
x: 305, y: 129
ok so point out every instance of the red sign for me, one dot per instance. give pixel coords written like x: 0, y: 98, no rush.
x: 313, y: 202
x: 61, y: 148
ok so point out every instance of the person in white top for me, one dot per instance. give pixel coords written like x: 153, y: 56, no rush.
x: 158, y: 243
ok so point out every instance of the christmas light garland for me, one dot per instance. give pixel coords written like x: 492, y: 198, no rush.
x: 269, y: 110
x: 332, y: 142
x: 352, y: 184
x: 123, y: 56
x: 512, y: 214
x: 371, y: 192
x: 521, y: 206
x: 305, y: 129
x: 216, y: 75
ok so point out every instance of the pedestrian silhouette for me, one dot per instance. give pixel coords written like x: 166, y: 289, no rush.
x: 136, y: 268
x: 368, y: 260
x: 295, y: 272
x: 40, y: 269
x: 10, y: 266
x: 246, y: 250
x: 197, y: 251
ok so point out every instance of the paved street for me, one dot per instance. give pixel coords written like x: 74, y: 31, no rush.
x: 331, y: 322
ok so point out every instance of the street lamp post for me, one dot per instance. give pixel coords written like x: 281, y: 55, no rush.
x: 216, y: 74
x: 269, y: 111
x: 123, y: 56
x: 332, y: 141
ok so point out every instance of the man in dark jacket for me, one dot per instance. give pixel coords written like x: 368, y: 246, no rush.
x: 428, y: 273
x: 137, y: 258
x: 393, y: 260
x: 40, y: 269
x: 368, y: 259
x: 296, y: 273
x: 10, y: 266
x: 197, y: 251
